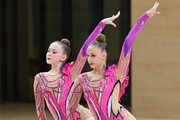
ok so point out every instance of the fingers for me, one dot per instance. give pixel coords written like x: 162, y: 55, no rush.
x: 155, y: 5
x: 157, y: 13
x: 117, y: 15
x: 113, y: 18
x: 114, y: 24
x: 110, y: 20
x: 111, y: 23
x: 153, y: 11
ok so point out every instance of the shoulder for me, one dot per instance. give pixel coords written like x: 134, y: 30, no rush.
x: 83, y: 76
x: 39, y: 75
x: 111, y: 70
x: 66, y: 69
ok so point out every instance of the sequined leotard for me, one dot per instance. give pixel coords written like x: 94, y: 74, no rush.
x: 102, y: 94
x: 55, y: 92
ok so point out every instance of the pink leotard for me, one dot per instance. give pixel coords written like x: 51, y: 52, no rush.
x: 98, y: 93
x: 56, y: 96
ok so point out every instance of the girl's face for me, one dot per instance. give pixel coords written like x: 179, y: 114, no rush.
x: 54, y: 54
x: 96, y: 57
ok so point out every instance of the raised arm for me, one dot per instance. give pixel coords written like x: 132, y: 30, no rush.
x: 39, y: 100
x: 81, y: 58
x: 73, y: 99
x: 124, y: 59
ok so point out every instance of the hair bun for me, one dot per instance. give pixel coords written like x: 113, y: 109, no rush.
x: 101, y: 38
x: 66, y: 41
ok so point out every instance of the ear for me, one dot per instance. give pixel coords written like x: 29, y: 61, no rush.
x: 63, y: 58
x: 104, y: 55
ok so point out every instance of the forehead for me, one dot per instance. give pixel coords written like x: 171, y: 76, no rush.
x: 93, y: 49
x: 55, y: 45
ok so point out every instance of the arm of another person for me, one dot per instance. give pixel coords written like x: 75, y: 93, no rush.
x: 39, y: 100
x: 74, y: 99
x: 124, y: 59
x: 81, y: 58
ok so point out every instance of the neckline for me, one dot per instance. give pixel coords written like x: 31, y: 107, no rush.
x: 44, y: 77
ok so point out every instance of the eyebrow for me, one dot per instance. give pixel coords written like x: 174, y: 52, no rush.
x: 52, y: 49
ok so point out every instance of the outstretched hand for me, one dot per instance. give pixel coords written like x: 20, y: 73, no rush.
x: 110, y: 20
x: 151, y: 12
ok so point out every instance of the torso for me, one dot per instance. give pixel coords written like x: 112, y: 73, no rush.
x: 94, y: 85
x: 98, y: 94
x: 55, y: 90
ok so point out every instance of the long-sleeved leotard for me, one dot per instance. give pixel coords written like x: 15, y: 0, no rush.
x: 122, y: 67
x: 55, y: 92
x: 103, y: 94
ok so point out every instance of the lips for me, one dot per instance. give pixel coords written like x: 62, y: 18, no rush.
x: 48, y: 58
x: 91, y: 63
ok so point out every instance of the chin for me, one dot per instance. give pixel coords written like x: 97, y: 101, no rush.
x: 48, y: 62
x: 91, y: 66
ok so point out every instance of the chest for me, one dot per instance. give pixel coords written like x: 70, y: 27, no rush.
x: 94, y: 86
x: 48, y: 84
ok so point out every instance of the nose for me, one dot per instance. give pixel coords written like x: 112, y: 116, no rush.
x: 89, y: 59
x: 48, y: 53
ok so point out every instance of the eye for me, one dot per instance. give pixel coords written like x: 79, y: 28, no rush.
x: 93, y: 55
x: 54, y: 52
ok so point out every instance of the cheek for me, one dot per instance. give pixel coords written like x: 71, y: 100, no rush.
x: 47, y: 54
x: 54, y: 57
x: 57, y: 57
x: 88, y: 59
x: 99, y: 58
